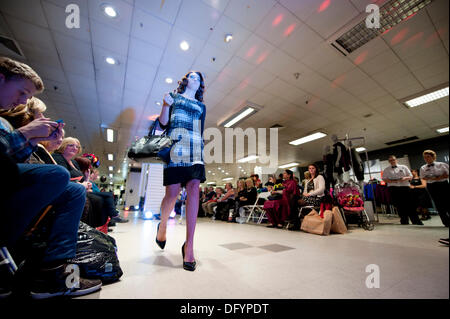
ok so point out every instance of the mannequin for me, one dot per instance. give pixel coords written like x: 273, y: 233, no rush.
x: 341, y: 160
x: 328, y: 167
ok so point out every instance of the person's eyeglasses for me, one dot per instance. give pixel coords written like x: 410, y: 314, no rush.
x: 73, y: 145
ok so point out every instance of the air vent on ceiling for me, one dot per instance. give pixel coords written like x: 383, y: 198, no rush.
x: 11, y: 45
x: 408, y: 139
x: 355, y: 34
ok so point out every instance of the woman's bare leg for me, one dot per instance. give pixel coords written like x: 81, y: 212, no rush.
x: 191, y: 217
x: 167, y: 205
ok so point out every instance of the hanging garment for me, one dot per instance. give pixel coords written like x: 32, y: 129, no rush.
x: 358, y: 166
x: 328, y: 170
x: 344, y: 162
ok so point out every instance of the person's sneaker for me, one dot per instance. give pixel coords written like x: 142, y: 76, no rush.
x: 444, y: 241
x: 61, y: 281
x: 119, y: 219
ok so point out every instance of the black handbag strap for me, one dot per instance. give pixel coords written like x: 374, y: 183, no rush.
x: 153, y: 128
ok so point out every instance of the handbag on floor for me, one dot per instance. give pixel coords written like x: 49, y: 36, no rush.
x: 152, y: 148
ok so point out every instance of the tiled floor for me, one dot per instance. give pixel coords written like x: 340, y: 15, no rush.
x: 250, y: 261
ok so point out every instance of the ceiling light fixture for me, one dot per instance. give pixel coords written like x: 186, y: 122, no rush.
x: 111, y: 168
x: 308, y: 138
x: 109, y: 135
x: 111, y: 175
x: 248, y: 158
x: 239, y: 117
x: 228, y: 37
x: 360, y: 149
x: 110, y: 11
x: 228, y: 179
x: 442, y: 130
x: 184, y: 46
x: 289, y: 165
x: 110, y: 60
x: 110, y: 157
x: 169, y: 80
x: 426, y: 98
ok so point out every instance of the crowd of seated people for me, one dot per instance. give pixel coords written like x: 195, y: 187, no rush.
x: 287, y: 196
x: 42, y: 172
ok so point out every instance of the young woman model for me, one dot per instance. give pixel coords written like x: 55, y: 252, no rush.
x: 183, y: 115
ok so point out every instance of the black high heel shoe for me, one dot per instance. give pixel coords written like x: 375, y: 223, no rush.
x: 190, y: 266
x: 161, y: 244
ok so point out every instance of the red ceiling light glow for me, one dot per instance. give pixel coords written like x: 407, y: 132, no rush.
x: 289, y: 30
x: 324, y: 5
x: 277, y: 20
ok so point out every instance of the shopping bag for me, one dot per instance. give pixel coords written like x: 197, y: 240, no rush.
x: 314, y: 224
x: 337, y: 223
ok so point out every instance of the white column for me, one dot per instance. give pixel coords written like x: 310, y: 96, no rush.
x: 155, y: 189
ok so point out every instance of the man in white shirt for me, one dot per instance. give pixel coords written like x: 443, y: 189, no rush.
x: 436, y: 175
x: 397, y: 177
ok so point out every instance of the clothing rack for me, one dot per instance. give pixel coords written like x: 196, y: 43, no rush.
x: 349, y: 143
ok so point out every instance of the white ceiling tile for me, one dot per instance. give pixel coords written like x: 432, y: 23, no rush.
x: 34, y: 14
x: 323, y: 54
x: 30, y: 33
x: 78, y: 67
x: 213, y: 57
x: 70, y: 47
x: 40, y: 55
x: 255, y: 50
x: 278, y: 25
x: 331, y: 16
x: 337, y: 67
x: 219, y: 5
x: 148, y: 28
x: 249, y: 13
x: 166, y: 10
x: 224, y: 83
x: 259, y: 78
x: 301, y: 42
x: 108, y: 38
x: 379, y: 63
x: 238, y: 68
x: 52, y: 73
x: 302, y: 9
x: 144, y: 52
x: 361, y: 5
x: 197, y: 18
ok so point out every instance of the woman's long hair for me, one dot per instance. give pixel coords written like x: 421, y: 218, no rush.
x: 291, y: 173
x: 184, y: 82
x: 317, y: 170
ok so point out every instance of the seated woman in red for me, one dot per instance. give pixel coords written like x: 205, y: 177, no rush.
x: 279, y: 210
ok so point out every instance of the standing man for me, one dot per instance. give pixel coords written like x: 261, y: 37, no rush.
x: 436, y: 175
x: 397, y: 177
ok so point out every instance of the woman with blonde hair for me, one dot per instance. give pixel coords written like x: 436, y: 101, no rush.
x: 23, y: 114
x: 65, y: 156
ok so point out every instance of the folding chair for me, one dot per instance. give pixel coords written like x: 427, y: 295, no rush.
x: 257, y: 208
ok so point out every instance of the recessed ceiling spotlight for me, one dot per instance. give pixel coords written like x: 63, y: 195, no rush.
x: 110, y: 60
x: 184, y: 46
x: 158, y: 103
x: 110, y: 11
x: 169, y: 80
x: 228, y: 37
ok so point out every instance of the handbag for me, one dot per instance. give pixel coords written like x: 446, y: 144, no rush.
x: 152, y: 148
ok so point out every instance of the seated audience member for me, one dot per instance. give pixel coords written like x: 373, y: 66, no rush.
x: 246, y: 197
x: 92, y: 178
x: 300, y: 187
x: 420, y: 197
x: 272, y: 180
x: 279, y: 180
x: 209, y: 195
x: 279, y: 210
x: 307, y: 177
x: 225, y: 203
x: 41, y: 185
x: 209, y: 205
x: 314, y: 188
